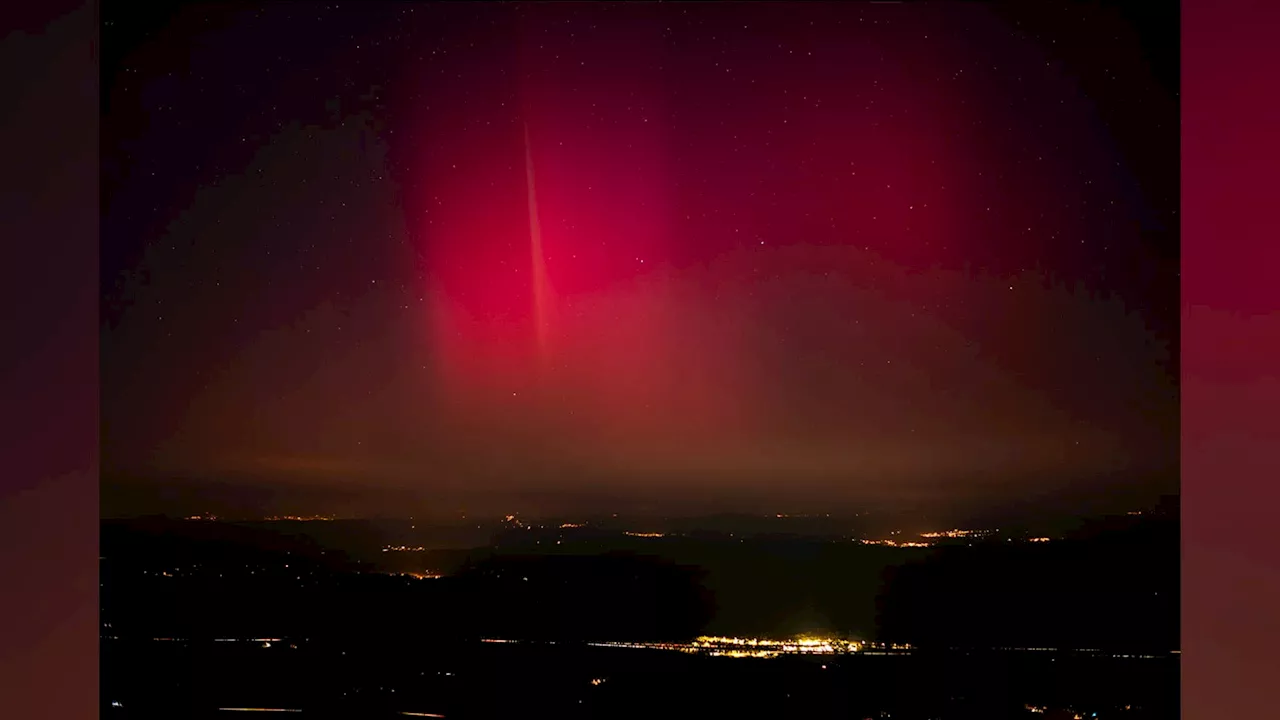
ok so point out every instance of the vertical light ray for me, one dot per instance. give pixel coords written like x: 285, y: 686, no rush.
x: 538, y: 262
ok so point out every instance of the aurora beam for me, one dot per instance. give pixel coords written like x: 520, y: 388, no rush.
x: 537, y: 260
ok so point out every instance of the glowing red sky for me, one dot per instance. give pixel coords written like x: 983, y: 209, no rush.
x: 852, y: 251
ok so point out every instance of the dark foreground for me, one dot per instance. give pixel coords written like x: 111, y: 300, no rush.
x: 365, y: 620
x: 179, y: 679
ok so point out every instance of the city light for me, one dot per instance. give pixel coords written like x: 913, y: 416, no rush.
x: 764, y: 647
x: 744, y: 647
x: 954, y: 533
x: 931, y: 538
x: 895, y: 543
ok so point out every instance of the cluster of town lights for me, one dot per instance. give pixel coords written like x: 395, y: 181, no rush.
x: 955, y: 533
x: 895, y: 543
x: 763, y: 647
x: 757, y: 647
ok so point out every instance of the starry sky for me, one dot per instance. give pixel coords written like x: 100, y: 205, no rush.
x: 831, y: 254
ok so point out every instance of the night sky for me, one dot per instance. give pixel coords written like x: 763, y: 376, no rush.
x: 913, y: 254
